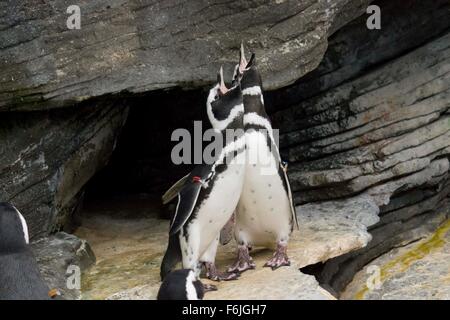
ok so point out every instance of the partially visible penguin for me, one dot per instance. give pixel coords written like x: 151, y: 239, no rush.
x: 19, y: 274
x: 265, y: 215
x: 181, y: 285
x: 208, y: 196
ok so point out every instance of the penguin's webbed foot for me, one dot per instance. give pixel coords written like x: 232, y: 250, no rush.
x: 209, y: 287
x: 279, y: 258
x: 213, y: 274
x: 243, y: 262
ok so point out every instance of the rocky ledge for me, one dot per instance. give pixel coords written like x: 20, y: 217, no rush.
x: 129, y: 251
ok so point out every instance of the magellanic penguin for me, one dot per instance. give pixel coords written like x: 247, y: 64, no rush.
x: 20, y: 278
x: 265, y: 215
x: 181, y: 285
x: 208, y: 196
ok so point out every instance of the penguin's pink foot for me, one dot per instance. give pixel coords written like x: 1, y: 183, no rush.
x: 279, y: 258
x: 209, y: 287
x: 243, y: 262
x: 215, y: 275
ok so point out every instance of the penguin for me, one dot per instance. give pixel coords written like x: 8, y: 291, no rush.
x: 181, y: 285
x: 265, y: 215
x: 20, y: 278
x: 208, y: 196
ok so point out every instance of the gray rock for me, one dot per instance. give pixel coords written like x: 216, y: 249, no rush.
x: 354, y: 50
x: 364, y: 133
x: 141, y: 45
x: 382, y: 193
x: 428, y: 204
x: 415, y: 271
x: 345, y: 221
x: 338, y: 274
x: 47, y: 157
x: 55, y: 254
x: 398, y: 230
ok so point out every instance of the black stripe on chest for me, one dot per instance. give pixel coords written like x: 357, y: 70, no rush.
x: 205, y: 193
x: 253, y: 103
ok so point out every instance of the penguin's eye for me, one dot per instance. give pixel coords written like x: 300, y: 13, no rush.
x: 216, y: 97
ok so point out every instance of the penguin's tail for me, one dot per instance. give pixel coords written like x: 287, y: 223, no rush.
x: 172, y: 255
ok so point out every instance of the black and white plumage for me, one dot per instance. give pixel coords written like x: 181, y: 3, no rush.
x: 181, y: 285
x: 208, y: 196
x: 265, y: 215
x: 20, y: 278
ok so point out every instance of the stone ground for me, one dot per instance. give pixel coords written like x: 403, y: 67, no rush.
x: 129, y: 241
x: 420, y: 270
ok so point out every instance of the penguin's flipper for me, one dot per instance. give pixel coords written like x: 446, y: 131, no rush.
x: 188, y: 195
x: 174, y: 190
x: 187, y: 198
x: 288, y: 188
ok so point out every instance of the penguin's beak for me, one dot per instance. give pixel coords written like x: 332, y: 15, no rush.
x: 242, y: 60
x: 222, y: 87
x: 251, y: 62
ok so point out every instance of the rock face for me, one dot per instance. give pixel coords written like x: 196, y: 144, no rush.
x: 47, y: 157
x: 375, y: 120
x: 57, y: 256
x: 144, y: 45
x: 361, y: 134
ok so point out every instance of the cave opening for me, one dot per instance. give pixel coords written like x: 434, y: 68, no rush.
x: 140, y: 167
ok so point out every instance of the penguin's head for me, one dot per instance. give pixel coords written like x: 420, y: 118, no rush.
x: 245, y: 72
x: 223, y: 104
x: 13, y: 229
x: 181, y: 285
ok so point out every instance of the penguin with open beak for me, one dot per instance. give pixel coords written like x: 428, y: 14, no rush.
x: 265, y: 215
x: 20, y: 278
x: 208, y: 196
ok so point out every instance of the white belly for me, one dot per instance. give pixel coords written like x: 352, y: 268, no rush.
x: 217, y: 209
x: 264, y: 212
